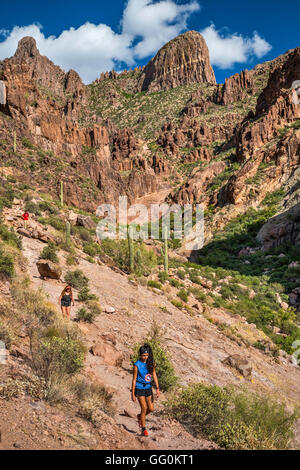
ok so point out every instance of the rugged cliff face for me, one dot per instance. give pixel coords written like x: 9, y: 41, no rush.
x: 183, y: 60
x: 207, y: 143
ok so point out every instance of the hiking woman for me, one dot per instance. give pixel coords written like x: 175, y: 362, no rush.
x: 25, y: 218
x: 143, y: 372
x: 66, y: 299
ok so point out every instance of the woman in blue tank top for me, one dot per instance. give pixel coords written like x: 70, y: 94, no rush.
x: 143, y: 372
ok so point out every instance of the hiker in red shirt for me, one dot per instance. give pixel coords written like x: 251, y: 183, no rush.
x: 25, y: 217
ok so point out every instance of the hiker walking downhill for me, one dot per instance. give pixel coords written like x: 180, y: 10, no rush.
x: 66, y: 299
x: 143, y: 372
x: 25, y: 218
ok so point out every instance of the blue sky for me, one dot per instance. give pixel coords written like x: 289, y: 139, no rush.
x: 94, y: 36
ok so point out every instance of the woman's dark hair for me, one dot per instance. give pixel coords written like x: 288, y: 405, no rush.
x: 146, y: 349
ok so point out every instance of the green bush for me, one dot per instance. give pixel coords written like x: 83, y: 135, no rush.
x: 50, y: 252
x: 71, y: 260
x: 7, y: 267
x: 83, y: 233
x: 85, y: 315
x: 92, y: 249
x: 89, y: 312
x: 181, y: 274
x: 33, y: 303
x: 92, y: 397
x: 85, y: 295
x: 32, y: 207
x: 163, y: 277
x: 56, y: 356
x: 177, y: 303
x: 27, y: 143
x: 10, y: 237
x: 154, y: 284
x: 46, y: 206
x: 76, y: 279
x: 174, y: 283
x: 183, y: 295
x: 233, y: 419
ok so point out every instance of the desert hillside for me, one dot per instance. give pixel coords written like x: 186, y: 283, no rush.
x: 222, y: 320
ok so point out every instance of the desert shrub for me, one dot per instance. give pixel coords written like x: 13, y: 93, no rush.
x: 85, y: 315
x: 47, y: 206
x: 94, y: 306
x: 183, y: 295
x: 27, y: 143
x: 174, y: 282
x: 85, y: 295
x: 154, y: 284
x: 83, y: 233
x: 56, y: 223
x: 233, y: 419
x: 177, y: 303
x: 10, y: 237
x: 181, y: 274
x: 91, y: 397
x: 163, y: 277
x: 56, y: 356
x: 7, y: 267
x: 164, y: 368
x: 71, y: 260
x: 32, y: 207
x: 92, y: 249
x: 33, y: 303
x: 89, y: 312
x: 76, y: 279
x: 49, y: 252
x: 15, y: 387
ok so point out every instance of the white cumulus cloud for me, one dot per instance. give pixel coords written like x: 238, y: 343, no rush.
x: 227, y: 49
x: 146, y: 26
x: 155, y: 23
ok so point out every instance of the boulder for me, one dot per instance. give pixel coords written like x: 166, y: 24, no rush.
x: 85, y: 221
x: 72, y: 217
x: 48, y: 269
x: 241, y: 364
x: 108, y: 353
x: 206, y: 283
x: 109, y: 309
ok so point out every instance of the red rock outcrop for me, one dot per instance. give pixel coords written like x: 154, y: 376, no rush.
x: 235, y: 88
x: 183, y: 60
x: 283, y: 229
x: 194, y: 190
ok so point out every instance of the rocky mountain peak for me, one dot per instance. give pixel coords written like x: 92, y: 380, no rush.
x: 185, y: 59
x: 26, y: 48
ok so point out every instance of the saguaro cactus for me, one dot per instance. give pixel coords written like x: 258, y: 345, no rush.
x: 15, y: 142
x: 68, y: 233
x: 62, y: 193
x: 131, y: 249
x: 166, y: 255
